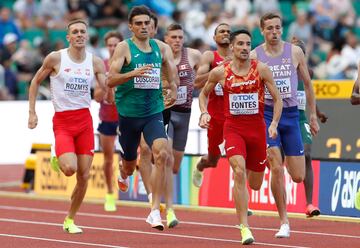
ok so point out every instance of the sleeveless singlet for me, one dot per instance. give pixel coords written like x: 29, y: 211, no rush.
x: 244, y: 95
x: 108, y: 111
x: 70, y: 88
x: 284, y: 73
x: 141, y: 96
x: 185, y: 90
x: 216, y: 97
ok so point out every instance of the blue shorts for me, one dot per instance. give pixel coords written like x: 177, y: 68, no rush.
x: 108, y: 128
x: 289, y: 134
x: 130, y: 129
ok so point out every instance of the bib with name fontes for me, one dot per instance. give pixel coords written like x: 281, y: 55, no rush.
x: 244, y: 104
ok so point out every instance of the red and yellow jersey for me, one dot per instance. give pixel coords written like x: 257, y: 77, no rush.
x: 243, y: 95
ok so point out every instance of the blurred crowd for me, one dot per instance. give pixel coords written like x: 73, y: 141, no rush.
x: 30, y: 29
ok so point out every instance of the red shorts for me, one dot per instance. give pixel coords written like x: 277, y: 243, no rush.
x: 215, y: 136
x: 73, y: 131
x: 248, y: 139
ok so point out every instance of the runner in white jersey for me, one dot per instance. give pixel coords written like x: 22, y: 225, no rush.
x: 72, y: 71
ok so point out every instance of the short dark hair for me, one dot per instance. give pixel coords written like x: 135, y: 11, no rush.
x: 174, y: 26
x: 268, y: 16
x: 237, y: 32
x: 155, y: 18
x: 138, y: 10
x: 221, y: 24
x: 112, y: 34
x: 72, y: 22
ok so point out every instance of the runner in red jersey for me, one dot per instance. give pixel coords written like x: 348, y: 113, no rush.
x: 243, y: 81
x: 108, y: 124
x: 210, y: 60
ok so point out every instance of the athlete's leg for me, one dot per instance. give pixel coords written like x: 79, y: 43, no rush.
x: 309, y: 174
x: 82, y: 176
x: 107, y: 145
x: 277, y: 182
x: 145, y: 165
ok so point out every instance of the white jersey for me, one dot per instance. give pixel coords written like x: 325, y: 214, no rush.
x: 70, y: 88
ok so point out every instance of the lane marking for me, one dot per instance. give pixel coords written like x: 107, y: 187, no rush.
x: 143, y: 232
x: 59, y: 240
x: 182, y: 222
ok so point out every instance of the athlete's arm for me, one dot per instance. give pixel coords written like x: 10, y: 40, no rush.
x: 100, y: 75
x: 44, y: 71
x: 355, y: 96
x: 268, y: 79
x: 202, y: 73
x: 171, y: 72
x: 216, y: 75
x: 309, y: 91
x: 116, y: 63
x: 195, y: 58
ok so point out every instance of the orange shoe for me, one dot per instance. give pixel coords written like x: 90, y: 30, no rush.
x: 311, y: 211
x: 123, y: 184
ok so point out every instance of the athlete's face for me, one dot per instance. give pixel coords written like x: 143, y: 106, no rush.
x: 140, y: 26
x: 152, y: 29
x: 241, y: 47
x: 111, y: 44
x: 272, y: 31
x: 222, y: 35
x: 175, y: 39
x: 77, y: 35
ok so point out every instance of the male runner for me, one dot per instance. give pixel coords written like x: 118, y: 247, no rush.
x: 243, y: 82
x: 285, y: 60
x: 72, y: 71
x: 136, y: 72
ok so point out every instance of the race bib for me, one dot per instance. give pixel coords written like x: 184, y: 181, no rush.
x: 181, y: 95
x: 244, y: 104
x: 284, y: 87
x: 151, y: 80
x: 301, y: 99
x: 218, y: 90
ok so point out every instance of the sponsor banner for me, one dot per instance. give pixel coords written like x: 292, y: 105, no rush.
x: 217, y: 190
x: 327, y: 89
x: 49, y: 182
x: 339, y: 183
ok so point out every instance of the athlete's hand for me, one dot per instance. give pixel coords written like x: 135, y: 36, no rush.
x: 322, y: 116
x: 33, y: 120
x: 142, y: 71
x: 314, y: 125
x: 272, y: 130
x: 110, y: 96
x: 204, y: 120
x: 168, y: 98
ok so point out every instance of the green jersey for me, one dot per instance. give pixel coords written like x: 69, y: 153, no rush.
x: 141, y: 96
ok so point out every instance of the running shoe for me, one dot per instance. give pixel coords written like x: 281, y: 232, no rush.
x: 246, y: 236
x: 311, y: 211
x: 197, y: 177
x: 123, y: 184
x: 110, y: 205
x: 250, y: 212
x: 171, y: 220
x: 284, y: 231
x: 70, y: 227
x: 162, y: 207
x: 357, y: 200
x: 154, y: 219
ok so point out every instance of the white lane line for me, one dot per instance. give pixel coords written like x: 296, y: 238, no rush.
x: 183, y: 222
x: 59, y: 241
x: 147, y: 233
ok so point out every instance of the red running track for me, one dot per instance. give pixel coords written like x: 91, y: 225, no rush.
x: 31, y: 222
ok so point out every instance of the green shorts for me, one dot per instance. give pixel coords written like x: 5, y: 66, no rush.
x: 305, y: 128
